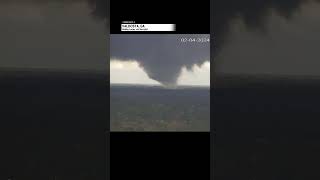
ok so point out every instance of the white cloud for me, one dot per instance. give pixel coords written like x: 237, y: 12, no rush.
x: 200, y: 75
x: 130, y: 72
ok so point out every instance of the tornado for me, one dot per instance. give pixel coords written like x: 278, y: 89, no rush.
x: 162, y: 56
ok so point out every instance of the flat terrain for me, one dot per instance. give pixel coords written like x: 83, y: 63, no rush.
x: 154, y: 108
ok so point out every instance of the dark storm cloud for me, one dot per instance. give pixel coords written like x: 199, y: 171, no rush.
x: 54, y: 34
x: 277, y: 38
x: 252, y: 12
x: 161, y: 56
x: 100, y: 9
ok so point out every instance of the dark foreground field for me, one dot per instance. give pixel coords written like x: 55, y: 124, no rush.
x: 266, y: 128
x: 154, y: 108
x: 53, y: 124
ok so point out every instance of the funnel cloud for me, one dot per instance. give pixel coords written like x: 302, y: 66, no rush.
x: 161, y: 56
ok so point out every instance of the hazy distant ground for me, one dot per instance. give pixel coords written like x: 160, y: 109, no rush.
x: 154, y: 108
